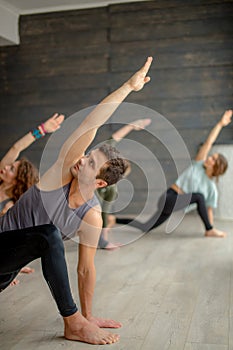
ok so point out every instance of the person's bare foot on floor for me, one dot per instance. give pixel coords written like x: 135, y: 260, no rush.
x: 27, y: 269
x: 104, y: 322
x: 80, y: 329
x: 215, y: 233
x: 14, y: 282
x: 112, y: 246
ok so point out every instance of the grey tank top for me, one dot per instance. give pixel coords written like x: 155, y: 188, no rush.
x: 36, y: 207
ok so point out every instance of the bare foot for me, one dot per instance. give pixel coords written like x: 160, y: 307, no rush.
x: 14, y: 282
x: 80, y: 329
x: 112, y: 246
x: 104, y: 323
x: 27, y: 269
x: 215, y: 233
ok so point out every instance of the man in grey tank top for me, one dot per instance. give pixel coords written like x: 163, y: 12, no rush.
x: 63, y: 202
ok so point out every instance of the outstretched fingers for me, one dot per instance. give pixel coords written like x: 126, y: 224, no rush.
x: 226, y: 118
x: 54, y: 116
x: 58, y: 118
x: 144, y: 70
x: 54, y: 122
x: 147, y: 65
x: 140, y: 78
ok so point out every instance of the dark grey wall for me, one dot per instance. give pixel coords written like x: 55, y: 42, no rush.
x: 70, y: 60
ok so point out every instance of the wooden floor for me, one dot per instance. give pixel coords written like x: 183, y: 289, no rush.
x: 170, y: 292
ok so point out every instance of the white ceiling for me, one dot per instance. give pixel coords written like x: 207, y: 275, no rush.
x: 10, y: 10
x: 39, y: 6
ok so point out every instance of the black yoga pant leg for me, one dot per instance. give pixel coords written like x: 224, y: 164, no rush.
x: 166, y: 206
x: 19, y: 247
x: 169, y: 202
x: 199, y: 199
x: 6, y: 279
x: 175, y: 202
x: 157, y: 219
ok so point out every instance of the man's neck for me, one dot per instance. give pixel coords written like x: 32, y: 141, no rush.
x: 79, y: 195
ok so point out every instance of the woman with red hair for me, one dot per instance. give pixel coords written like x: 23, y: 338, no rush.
x: 17, y: 176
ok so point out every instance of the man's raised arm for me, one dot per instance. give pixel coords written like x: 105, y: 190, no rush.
x: 85, y: 133
x: 75, y: 146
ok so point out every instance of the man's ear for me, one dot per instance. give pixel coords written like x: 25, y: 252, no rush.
x: 100, y: 183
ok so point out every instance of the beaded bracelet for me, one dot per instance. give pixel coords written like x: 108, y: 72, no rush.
x: 37, y: 134
x: 43, y: 128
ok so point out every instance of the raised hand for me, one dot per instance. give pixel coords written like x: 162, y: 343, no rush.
x: 54, y: 123
x: 139, y: 79
x: 140, y: 123
x: 226, y: 118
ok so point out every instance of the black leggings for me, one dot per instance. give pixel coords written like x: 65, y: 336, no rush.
x: 19, y: 247
x: 169, y: 202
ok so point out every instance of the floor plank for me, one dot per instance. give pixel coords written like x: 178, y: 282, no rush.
x: 170, y: 291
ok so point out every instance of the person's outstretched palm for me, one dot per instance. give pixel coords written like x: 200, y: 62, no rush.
x: 54, y: 123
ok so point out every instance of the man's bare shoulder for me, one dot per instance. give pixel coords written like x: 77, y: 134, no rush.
x: 90, y: 228
x: 93, y: 216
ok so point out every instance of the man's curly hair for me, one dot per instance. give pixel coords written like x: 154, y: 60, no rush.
x: 115, y: 167
x: 27, y: 175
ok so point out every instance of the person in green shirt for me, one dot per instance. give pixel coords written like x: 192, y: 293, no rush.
x: 108, y: 194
